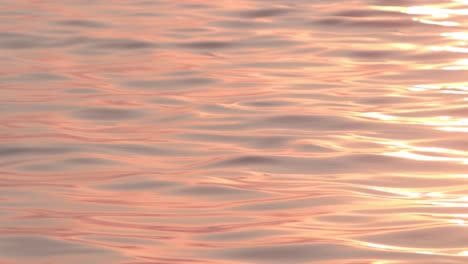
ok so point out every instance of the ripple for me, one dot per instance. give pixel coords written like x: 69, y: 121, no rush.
x: 40, y: 247
x: 447, y: 236
x: 219, y: 192
x: 267, y: 12
x: 166, y: 84
x: 102, y: 113
x: 81, y: 23
x: 13, y: 40
x: 119, y: 44
x: 209, y: 45
x: 34, y: 77
x: 312, y: 252
x: 9, y: 151
x: 136, y: 184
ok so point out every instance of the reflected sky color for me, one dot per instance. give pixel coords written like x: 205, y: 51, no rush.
x: 330, y: 132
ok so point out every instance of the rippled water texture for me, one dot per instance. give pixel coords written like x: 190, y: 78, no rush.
x: 237, y: 131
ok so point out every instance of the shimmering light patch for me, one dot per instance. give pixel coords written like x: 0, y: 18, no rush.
x: 458, y: 221
x: 453, y: 129
x: 454, y: 202
x: 434, y: 11
x: 434, y: 194
x: 454, y: 88
x: 439, y: 23
x: 449, y: 204
x: 424, y: 10
x: 404, y: 46
x: 462, y: 1
x: 408, y: 193
x: 436, y: 48
x: 455, y: 68
x: 463, y: 63
x: 461, y: 215
x: 424, y: 149
x: 446, y: 122
x: 450, y: 49
x: 425, y: 252
x: 459, y: 65
x: 403, y: 193
x: 407, y: 151
x: 373, y: 245
x: 413, y: 156
x: 400, y: 249
x: 390, y: 8
x: 453, y: 92
x: 456, y: 35
x: 379, y: 116
x: 425, y: 87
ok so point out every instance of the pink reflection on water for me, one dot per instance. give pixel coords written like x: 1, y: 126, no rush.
x: 233, y: 132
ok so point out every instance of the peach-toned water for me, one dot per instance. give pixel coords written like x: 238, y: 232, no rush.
x: 236, y: 131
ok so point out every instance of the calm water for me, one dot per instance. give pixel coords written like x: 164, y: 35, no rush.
x: 237, y: 131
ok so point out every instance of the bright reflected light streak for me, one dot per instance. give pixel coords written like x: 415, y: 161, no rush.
x: 442, y: 123
x: 453, y: 129
x: 407, y: 193
x: 424, y: 149
x: 449, y: 204
x: 404, y: 46
x: 453, y: 92
x: 439, y: 23
x: 456, y: 35
x: 456, y: 49
x: 455, y: 122
x: 373, y: 245
x: 459, y: 65
x: 456, y: 88
x: 456, y: 202
x: 449, y: 49
x: 461, y: 215
x: 399, y: 192
x: 413, y: 156
x: 379, y: 116
x: 455, y: 68
x: 434, y: 11
x: 424, y: 87
x: 401, y: 249
x: 425, y: 252
x: 406, y: 151
x: 458, y: 221
x: 448, y: 122
x: 434, y: 194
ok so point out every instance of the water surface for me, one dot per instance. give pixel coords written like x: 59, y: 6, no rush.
x: 228, y: 132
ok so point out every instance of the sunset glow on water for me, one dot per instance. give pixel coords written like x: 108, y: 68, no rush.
x: 231, y: 132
